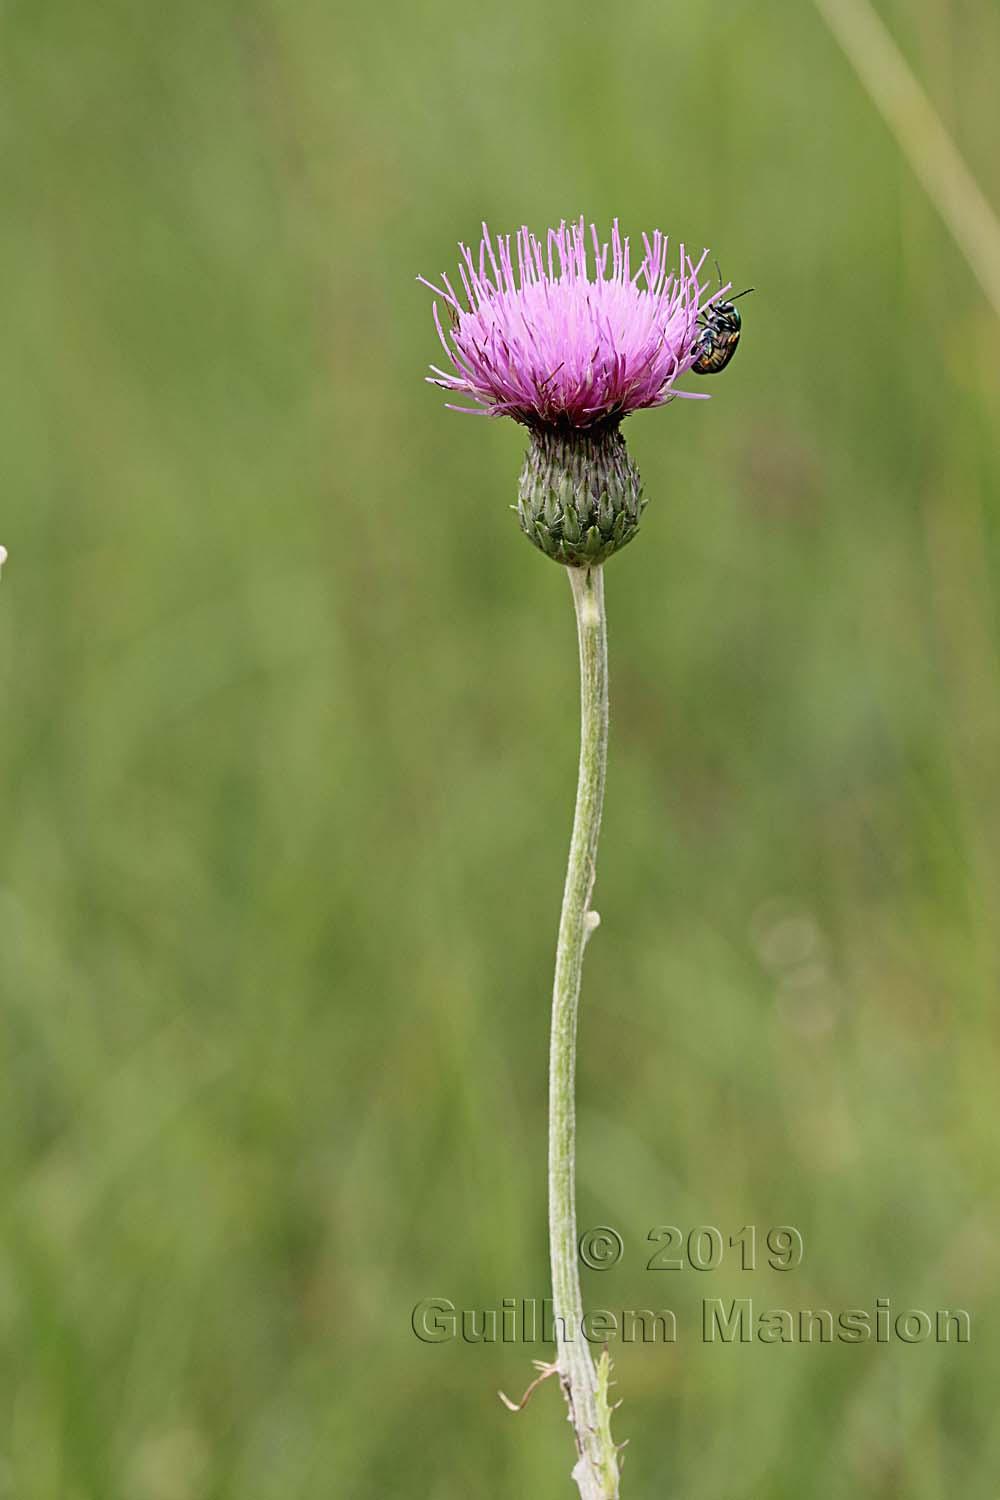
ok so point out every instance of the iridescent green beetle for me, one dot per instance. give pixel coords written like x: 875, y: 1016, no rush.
x: 720, y: 333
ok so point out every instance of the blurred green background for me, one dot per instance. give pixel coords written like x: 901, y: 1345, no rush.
x: 289, y: 744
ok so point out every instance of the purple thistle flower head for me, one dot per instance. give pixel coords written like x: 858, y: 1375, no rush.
x: 563, y: 334
x: 564, y: 337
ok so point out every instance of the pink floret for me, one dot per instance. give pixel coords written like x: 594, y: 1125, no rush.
x: 555, y: 341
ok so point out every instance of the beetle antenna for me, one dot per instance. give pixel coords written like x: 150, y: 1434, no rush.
x: 744, y: 293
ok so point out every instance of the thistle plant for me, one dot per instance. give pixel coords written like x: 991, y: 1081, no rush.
x: 561, y: 335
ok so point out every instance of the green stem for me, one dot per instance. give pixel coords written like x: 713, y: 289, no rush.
x: 585, y: 1388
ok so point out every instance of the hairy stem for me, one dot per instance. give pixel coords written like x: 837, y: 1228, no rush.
x: 585, y: 1388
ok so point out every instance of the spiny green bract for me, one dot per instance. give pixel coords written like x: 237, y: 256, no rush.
x: 579, y: 497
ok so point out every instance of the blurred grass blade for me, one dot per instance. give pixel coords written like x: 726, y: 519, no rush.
x: 920, y: 135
